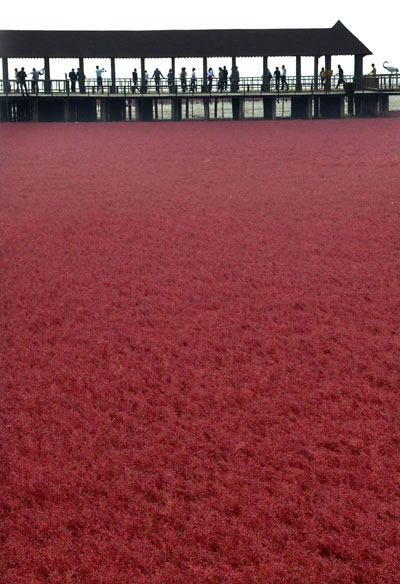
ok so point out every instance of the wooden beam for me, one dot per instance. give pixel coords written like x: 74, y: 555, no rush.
x: 316, y: 73
x: 5, y: 75
x: 298, y: 73
x: 266, y: 82
x: 328, y: 67
x: 81, y: 76
x: 358, y: 70
x: 47, y: 82
x: 142, y: 70
x: 113, y: 76
x: 265, y: 66
x: 204, y: 88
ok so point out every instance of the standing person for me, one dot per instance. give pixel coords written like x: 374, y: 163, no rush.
x: 16, y: 81
x: 277, y: 75
x: 322, y: 77
x: 193, y: 82
x: 220, y: 79
x: 225, y: 76
x: 283, y: 78
x: 145, y: 82
x: 22, y: 81
x: 73, y: 78
x: 81, y: 80
x: 35, y: 79
x: 170, y: 80
x: 210, y: 77
x: 373, y: 72
x: 341, y: 77
x: 157, y: 77
x: 134, y: 80
x: 183, y: 79
x: 99, y: 77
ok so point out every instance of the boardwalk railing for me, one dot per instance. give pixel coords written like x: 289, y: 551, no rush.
x: 126, y: 86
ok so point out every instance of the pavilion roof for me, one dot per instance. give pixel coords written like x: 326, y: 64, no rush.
x: 337, y: 40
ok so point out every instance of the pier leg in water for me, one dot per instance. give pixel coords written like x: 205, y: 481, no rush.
x: 206, y: 108
x: 269, y: 106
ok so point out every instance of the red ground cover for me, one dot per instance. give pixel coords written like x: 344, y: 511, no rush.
x: 200, y: 331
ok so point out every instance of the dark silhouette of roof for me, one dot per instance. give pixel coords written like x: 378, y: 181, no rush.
x: 337, y: 40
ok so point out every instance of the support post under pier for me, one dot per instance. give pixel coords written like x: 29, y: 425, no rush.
x: 331, y: 106
x: 237, y: 108
x: 269, y: 107
x: 206, y: 103
x: 367, y: 105
x: 301, y: 108
x: 144, y: 109
x: 176, y: 108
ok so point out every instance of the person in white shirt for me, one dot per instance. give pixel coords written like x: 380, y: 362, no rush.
x: 193, y: 82
x: 283, y: 78
x: 99, y: 77
x: 145, y: 82
x: 35, y: 79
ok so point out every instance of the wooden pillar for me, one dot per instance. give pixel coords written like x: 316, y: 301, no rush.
x: 265, y: 66
x: 383, y: 104
x: 316, y: 73
x: 358, y: 70
x: 176, y: 108
x: 301, y: 107
x: 104, y: 109
x: 298, y: 73
x: 237, y: 108
x: 206, y: 103
x: 35, y: 109
x: 266, y: 83
x: 113, y: 77
x: 234, y: 76
x: 5, y: 75
x: 5, y: 68
x: 4, y: 111
x: 67, y: 110
x: 47, y: 81
x: 328, y: 67
x: 269, y: 107
x: 173, y: 73
x: 81, y: 78
x: 204, y: 74
x: 316, y: 107
x: 350, y: 105
x: 142, y: 70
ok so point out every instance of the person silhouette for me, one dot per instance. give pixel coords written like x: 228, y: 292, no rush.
x: 283, y: 78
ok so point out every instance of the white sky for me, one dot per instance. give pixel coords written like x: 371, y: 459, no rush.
x: 376, y: 27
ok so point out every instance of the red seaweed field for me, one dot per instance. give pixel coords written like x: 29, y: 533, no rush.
x: 200, y: 352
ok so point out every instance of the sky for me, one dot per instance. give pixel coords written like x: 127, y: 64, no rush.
x: 377, y: 28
